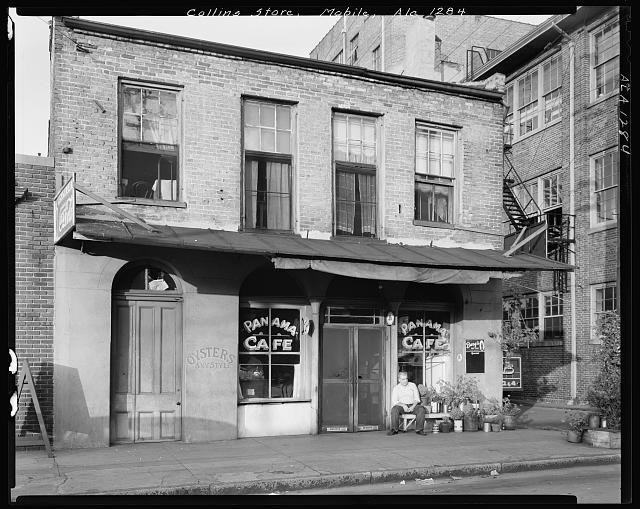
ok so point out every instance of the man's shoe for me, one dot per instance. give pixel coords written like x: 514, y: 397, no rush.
x: 392, y: 432
x: 420, y: 432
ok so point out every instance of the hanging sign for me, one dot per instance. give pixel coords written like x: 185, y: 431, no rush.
x: 512, y: 373
x: 474, y: 349
x: 64, y: 210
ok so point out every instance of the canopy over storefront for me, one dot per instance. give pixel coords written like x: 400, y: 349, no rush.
x: 351, y: 257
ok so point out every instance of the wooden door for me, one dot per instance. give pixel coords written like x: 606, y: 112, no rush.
x: 146, y: 371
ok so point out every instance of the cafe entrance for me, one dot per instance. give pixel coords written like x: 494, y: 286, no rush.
x: 352, y: 378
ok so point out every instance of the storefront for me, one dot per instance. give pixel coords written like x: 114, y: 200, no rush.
x: 195, y: 335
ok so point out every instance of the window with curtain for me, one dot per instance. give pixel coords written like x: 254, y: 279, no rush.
x: 267, y: 165
x: 605, y: 42
x: 354, y: 152
x: 149, y: 127
x: 269, y: 353
x: 435, y: 172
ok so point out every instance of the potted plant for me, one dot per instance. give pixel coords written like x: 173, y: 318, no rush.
x: 509, y: 411
x: 577, y: 422
x: 490, y: 410
x: 470, y: 418
x: 424, y: 395
x: 457, y: 416
x: 434, y: 400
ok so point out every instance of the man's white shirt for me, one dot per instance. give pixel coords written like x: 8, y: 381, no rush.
x: 405, y: 394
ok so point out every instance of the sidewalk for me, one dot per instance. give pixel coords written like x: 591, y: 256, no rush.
x: 278, y: 464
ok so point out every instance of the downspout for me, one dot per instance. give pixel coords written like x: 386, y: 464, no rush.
x: 344, y: 39
x: 572, y: 210
x: 382, y: 45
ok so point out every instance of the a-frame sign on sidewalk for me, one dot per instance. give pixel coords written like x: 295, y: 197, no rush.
x: 26, y: 378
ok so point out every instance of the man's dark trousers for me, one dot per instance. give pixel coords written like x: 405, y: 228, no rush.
x: 419, y: 411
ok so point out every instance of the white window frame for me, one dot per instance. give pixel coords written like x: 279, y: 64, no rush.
x: 613, y: 60
x: 613, y: 152
x: 535, y: 109
x: 594, y: 339
x: 544, y: 316
x: 538, y: 193
x: 438, y: 178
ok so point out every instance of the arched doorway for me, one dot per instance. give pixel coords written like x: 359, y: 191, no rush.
x: 146, y: 355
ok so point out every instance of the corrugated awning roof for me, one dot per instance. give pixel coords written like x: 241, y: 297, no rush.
x: 283, y: 245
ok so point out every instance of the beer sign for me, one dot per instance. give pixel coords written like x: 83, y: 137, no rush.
x: 64, y: 210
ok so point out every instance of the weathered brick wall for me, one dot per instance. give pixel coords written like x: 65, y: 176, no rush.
x: 211, y: 144
x: 34, y: 287
x: 595, y: 250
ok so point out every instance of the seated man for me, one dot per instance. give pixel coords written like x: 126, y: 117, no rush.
x: 405, y: 399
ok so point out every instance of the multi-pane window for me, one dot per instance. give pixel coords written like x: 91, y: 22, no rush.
x: 339, y: 58
x: 528, y: 102
x: 269, y: 353
x: 353, y: 50
x: 267, y: 165
x: 377, y: 62
x: 530, y: 311
x: 605, y: 177
x: 605, y: 65
x: 508, y: 121
x: 551, y: 191
x: 552, y: 327
x: 150, y: 142
x: 603, y: 299
x: 534, y: 99
x: 552, y: 80
x: 435, y: 173
x: 354, y: 153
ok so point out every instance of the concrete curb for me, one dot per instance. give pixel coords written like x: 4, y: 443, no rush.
x: 370, y: 477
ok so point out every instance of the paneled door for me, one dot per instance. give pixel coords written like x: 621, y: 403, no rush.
x: 352, y: 378
x: 146, y: 371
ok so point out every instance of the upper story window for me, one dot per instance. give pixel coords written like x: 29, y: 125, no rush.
x: 354, y: 154
x: 150, y: 146
x: 604, y: 186
x: 339, y: 58
x: 353, y: 51
x: 435, y: 172
x: 377, y: 62
x: 551, y: 191
x: 605, y: 50
x: 603, y: 300
x: 534, y: 99
x: 267, y: 165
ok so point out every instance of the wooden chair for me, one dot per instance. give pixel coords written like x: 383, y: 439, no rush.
x: 407, y: 421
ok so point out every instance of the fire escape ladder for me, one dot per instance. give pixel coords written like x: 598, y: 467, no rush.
x: 513, y: 208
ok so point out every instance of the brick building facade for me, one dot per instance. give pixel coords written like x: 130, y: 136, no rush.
x: 569, y: 134
x: 418, y: 46
x: 34, y: 180
x: 245, y: 222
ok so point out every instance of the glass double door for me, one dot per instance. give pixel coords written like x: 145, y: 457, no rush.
x: 352, y: 378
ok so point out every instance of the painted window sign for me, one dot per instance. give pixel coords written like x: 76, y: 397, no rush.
x: 418, y: 334
x: 269, y: 330
x: 474, y: 345
x: 512, y: 372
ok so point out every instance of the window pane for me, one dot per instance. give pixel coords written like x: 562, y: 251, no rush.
x: 424, y: 202
x: 447, y: 166
x: 340, y: 151
x: 282, y: 380
x: 267, y: 115
x: 447, y: 144
x: 369, y: 133
x: 131, y: 127
x: 421, y: 165
x: 150, y: 130
x: 340, y: 129
x: 283, y: 142
x: 283, y: 116
x: 252, y: 138
x: 150, y: 102
x: 131, y: 97
x: 442, y: 203
x: 251, y: 114
x: 421, y: 144
x: 354, y: 129
x: 369, y: 154
x: 268, y: 140
x: 168, y: 104
x: 355, y: 151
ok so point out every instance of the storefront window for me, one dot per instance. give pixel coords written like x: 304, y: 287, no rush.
x: 423, y: 345
x: 269, y: 353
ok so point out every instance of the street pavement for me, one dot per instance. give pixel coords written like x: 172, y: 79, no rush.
x: 278, y: 464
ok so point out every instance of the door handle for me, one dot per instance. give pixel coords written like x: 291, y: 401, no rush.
x: 178, y: 403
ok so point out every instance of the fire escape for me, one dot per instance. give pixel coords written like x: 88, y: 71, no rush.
x: 527, y: 222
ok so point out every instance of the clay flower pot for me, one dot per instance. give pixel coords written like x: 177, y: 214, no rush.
x: 574, y: 436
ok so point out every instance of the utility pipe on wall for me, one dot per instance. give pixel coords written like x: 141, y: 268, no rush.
x: 572, y: 211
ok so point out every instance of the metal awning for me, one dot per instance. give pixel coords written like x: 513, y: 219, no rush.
x: 299, y: 250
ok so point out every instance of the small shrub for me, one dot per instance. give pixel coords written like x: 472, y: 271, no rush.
x: 456, y: 414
